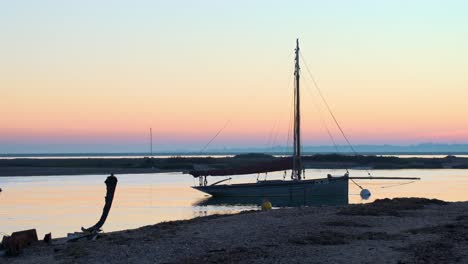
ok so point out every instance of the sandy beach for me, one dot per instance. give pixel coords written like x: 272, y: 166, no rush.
x: 401, y: 230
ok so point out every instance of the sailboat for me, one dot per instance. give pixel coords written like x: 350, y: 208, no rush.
x: 327, y: 190
x: 330, y: 186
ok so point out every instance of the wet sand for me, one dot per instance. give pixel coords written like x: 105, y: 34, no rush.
x: 387, y: 231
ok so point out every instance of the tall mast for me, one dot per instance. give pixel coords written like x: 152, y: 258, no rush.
x: 297, y: 163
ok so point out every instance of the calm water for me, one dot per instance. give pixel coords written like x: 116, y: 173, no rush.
x: 61, y: 204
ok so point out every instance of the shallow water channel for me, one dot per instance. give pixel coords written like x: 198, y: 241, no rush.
x: 62, y: 204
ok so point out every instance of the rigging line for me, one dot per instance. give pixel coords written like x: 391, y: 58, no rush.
x: 279, y: 119
x: 211, y: 140
x: 330, y: 135
x: 270, y: 135
x: 278, y: 122
x: 328, y: 107
x: 271, y: 140
x: 395, y: 185
x: 288, y: 139
x: 356, y: 184
x: 275, y: 135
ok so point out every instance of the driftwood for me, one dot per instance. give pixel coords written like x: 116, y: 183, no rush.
x: 91, y: 232
x: 111, y: 184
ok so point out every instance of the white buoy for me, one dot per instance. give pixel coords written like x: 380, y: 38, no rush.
x: 365, y: 194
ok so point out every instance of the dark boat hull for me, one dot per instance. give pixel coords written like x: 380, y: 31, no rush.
x: 317, y: 191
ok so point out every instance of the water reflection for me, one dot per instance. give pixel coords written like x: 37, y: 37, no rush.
x: 275, y: 201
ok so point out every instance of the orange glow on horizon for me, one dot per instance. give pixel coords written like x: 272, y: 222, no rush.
x: 90, y: 77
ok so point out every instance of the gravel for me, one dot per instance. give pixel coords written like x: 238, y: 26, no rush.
x: 411, y: 231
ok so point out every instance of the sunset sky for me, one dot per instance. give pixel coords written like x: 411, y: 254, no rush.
x: 94, y: 76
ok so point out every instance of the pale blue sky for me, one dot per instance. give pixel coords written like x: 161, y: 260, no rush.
x: 394, y: 71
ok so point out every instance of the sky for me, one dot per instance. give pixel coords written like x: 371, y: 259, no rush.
x: 94, y: 76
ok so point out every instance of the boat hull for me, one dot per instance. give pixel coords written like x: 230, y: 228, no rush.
x: 318, y: 191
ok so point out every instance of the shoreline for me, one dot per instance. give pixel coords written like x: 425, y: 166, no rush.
x: 403, y: 230
x: 60, y: 171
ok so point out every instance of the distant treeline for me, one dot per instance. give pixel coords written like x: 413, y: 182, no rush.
x: 190, y: 163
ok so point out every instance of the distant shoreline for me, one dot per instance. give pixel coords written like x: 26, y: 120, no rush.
x: 60, y: 171
x: 105, y: 166
x: 217, y: 154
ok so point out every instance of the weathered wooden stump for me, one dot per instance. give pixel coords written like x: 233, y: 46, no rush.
x: 91, y: 232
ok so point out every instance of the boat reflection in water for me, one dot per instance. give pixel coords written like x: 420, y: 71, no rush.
x: 292, y: 201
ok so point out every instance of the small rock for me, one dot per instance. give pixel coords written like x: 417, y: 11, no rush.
x: 48, y: 238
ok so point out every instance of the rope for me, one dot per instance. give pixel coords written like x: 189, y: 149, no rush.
x: 291, y: 114
x: 211, y: 140
x: 288, y: 141
x: 270, y: 135
x: 330, y: 135
x: 329, y: 109
x: 273, y: 135
x: 395, y: 185
x: 328, y: 106
x: 357, y: 184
